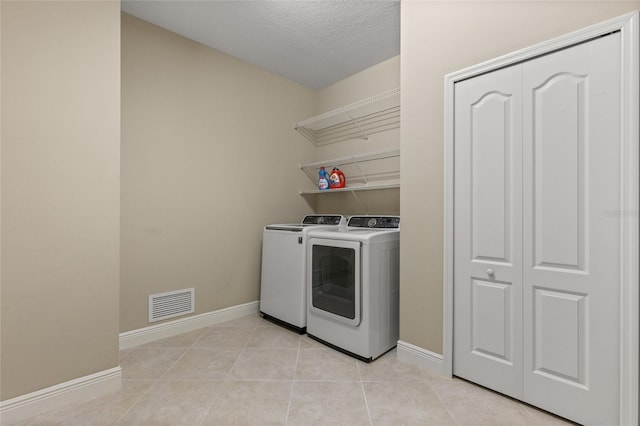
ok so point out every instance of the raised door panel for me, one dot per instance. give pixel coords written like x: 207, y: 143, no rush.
x: 490, y: 138
x: 571, y: 177
x: 492, y: 320
x: 487, y: 282
x: 559, y: 148
x: 560, y: 347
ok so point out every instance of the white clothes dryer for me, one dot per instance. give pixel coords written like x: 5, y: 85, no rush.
x: 283, y: 295
x: 353, y: 279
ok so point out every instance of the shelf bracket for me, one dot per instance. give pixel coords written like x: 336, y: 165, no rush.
x: 362, y: 174
x: 362, y: 207
x: 360, y: 129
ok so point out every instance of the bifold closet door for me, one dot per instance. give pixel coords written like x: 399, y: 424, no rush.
x: 536, y: 247
x: 571, y: 137
x: 488, y: 231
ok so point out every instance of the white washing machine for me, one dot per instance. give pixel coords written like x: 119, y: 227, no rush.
x: 283, y: 295
x: 353, y: 280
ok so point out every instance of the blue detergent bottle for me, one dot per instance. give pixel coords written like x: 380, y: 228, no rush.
x: 323, y: 179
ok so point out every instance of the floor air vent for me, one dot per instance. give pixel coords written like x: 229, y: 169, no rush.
x: 171, y: 304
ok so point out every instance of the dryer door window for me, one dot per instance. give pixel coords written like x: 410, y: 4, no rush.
x: 335, y: 280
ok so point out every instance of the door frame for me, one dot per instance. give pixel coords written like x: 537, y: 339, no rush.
x: 630, y: 194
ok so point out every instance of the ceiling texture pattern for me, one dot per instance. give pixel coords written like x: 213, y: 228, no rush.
x: 312, y: 42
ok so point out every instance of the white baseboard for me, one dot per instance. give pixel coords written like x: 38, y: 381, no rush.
x: 422, y: 358
x: 48, y: 399
x: 152, y: 333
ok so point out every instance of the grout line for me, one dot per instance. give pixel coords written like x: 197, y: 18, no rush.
x: 153, y: 385
x: 137, y: 401
x: 208, y: 410
x: 293, y: 381
x: 446, y: 409
x: 174, y: 362
x: 255, y: 328
x: 366, y: 403
x: 224, y: 382
x: 364, y: 393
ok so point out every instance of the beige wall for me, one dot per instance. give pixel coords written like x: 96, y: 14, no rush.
x: 59, y: 192
x: 439, y: 38
x: 209, y: 156
x: 372, y: 81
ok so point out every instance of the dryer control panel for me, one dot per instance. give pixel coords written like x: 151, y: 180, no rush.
x: 378, y: 222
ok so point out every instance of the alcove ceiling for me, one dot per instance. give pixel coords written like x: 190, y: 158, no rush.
x: 313, y: 42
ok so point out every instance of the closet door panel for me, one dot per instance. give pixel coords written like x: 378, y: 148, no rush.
x: 550, y: 334
x: 491, y: 134
x: 488, y: 272
x: 559, y: 151
x: 491, y: 311
x: 571, y: 178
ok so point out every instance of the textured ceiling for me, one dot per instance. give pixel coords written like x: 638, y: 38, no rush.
x: 313, y: 42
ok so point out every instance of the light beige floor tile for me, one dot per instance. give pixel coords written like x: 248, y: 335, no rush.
x: 436, y: 378
x: 174, y: 403
x: 203, y: 363
x: 184, y: 340
x: 540, y: 417
x: 247, y: 321
x: 307, y: 342
x: 105, y: 410
x: 124, y: 352
x: 405, y: 403
x: 274, y: 337
x: 267, y: 323
x: 327, y: 403
x: 144, y: 362
x: 325, y: 364
x: 225, y: 337
x: 469, y: 404
x: 27, y: 422
x: 264, y: 364
x: 251, y: 403
x: 389, y: 368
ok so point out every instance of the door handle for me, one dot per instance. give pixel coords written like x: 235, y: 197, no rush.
x: 491, y: 272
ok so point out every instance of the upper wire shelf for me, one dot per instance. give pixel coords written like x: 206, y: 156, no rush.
x: 355, y: 121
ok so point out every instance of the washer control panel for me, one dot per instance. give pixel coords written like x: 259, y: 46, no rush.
x: 378, y: 222
x: 318, y: 219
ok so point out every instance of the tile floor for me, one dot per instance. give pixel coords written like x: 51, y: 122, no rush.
x: 252, y: 372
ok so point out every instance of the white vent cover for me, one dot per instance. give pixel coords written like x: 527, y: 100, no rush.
x: 171, y: 304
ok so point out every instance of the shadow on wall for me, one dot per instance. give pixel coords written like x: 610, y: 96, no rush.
x: 379, y: 202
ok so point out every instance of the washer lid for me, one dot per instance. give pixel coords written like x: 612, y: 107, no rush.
x: 310, y: 220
